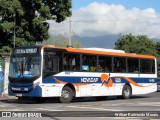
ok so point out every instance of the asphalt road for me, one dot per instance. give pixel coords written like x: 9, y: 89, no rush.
x: 88, y: 107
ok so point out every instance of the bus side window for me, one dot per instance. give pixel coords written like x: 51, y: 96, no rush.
x: 119, y: 64
x: 71, y: 61
x: 65, y: 63
x: 147, y: 66
x: 106, y: 63
x: 85, y: 63
x: 99, y: 68
x: 133, y: 65
x: 89, y: 63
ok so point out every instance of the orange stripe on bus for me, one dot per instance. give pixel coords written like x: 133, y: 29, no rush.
x: 76, y: 84
x: 131, y: 81
x: 103, y: 77
x: 110, y: 53
x: 79, y: 50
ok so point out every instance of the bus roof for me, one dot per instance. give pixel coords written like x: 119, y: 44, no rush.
x: 105, y: 50
x: 102, y: 51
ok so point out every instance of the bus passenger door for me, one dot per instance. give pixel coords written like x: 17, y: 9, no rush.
x: 51, y: 64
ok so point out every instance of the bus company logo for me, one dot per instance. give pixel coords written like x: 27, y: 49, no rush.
x: 89, y: 80
x: 106, y: 80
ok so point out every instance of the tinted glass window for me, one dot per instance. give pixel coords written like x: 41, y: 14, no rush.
x: 119, y: 64
x: 89, y: 63
x: 133, y: 65
x: 50, y: 63
x: 105, y: 63
x: 71, y: 61
x: 147, y: 66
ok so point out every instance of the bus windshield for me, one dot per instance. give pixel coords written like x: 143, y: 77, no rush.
x: 25, y: 66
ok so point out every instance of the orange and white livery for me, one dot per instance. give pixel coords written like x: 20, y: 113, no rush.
x: 49, y: 71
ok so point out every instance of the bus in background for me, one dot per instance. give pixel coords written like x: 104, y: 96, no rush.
x: 66, y: 73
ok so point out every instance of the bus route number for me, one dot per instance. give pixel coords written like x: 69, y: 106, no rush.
x: 118, y: 80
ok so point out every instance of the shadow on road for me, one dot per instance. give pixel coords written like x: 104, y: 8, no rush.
x: 82, y: 99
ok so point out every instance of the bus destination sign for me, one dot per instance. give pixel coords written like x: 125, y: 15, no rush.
x: 25, y: 51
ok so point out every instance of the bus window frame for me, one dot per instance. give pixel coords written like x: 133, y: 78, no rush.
x: 112, y: 62
x: 119, y: 57
x: 44, y: 71
x: 71, y: 53
x: 140, y: 69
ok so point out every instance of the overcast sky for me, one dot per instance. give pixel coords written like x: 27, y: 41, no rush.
x: 105, y: 17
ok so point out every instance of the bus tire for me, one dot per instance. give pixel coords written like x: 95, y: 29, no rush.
x: 66, y: 95
x: 126, y: 92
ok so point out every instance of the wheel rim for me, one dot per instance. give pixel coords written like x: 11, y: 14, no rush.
x: 126, y: 92
x: 65, y: 94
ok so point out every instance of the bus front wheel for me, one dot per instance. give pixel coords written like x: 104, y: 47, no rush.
x: 126, y: 92
x: 66, y: 95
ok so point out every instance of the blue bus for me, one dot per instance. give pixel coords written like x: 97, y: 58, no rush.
x: 67, y: 73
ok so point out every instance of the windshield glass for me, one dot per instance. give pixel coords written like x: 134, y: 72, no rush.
x: 24, y: 66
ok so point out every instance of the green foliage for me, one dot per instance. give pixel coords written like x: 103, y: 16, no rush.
x: 158, y: 47
x: 27, y: 18
x: 140, y: 44
x: 158, y: 50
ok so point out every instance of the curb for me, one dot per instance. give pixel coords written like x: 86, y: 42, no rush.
x: 6, y: 96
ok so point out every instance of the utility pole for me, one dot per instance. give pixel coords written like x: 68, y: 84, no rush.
x: 70, y: 36
x: 14, y: 36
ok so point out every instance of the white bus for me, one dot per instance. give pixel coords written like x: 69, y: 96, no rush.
x: 66, y: 73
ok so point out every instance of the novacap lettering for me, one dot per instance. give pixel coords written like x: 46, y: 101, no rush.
x: 92, y: 80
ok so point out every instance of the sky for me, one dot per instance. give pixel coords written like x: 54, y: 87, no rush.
x: 142, y: 4
x: 92, y: 18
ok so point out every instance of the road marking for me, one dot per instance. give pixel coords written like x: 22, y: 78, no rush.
x: 7, y: 105
x: 150, y: 104
x: 12, y: 110
x: 48, y: 109
x: 2, y: 106
x: 95, y: 108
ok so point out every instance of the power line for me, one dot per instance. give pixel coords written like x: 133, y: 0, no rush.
x: 137, y: 19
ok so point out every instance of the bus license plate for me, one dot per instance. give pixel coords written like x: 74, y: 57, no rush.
x: 19, y: 95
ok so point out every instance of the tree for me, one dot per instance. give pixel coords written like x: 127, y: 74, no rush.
x: 140, y: 44
x: 158, y: 47
x: 26, y: 18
